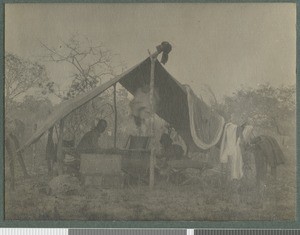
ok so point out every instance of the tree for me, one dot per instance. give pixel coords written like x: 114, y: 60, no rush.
x: 91, y: 64
x: 21, y: 77
x: 31, y: 109
x: 38, y: 109
x: 266, y: 107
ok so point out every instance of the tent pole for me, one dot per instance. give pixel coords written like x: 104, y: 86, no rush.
x: 152, y: 129
x: 60, y: 146
x: 116, y: 116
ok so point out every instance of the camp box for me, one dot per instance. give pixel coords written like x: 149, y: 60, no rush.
x: 103, y: 170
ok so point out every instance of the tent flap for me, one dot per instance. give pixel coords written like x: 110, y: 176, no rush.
x: 206, y: 126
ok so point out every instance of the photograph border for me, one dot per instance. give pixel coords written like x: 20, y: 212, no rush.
x: 146, y: 224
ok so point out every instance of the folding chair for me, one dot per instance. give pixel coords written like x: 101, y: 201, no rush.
x: 137, y: 142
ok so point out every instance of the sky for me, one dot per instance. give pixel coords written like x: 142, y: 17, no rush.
x: 224, y: 46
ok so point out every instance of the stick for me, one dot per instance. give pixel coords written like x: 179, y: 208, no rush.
x: 59, y: 147
x: 116, y: 116
x: 152, y: 131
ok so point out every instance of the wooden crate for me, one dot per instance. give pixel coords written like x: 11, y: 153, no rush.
x: 103, y: 170
x: 95, y: 164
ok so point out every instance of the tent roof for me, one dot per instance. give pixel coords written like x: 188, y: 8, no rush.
x: 173, y: 106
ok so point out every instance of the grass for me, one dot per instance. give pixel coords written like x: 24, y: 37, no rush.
x: 207, y: 197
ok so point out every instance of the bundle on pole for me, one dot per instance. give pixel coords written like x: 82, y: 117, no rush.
x: 165, y: 48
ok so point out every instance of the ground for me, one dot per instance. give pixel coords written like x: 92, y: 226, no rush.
x: 207, y: 197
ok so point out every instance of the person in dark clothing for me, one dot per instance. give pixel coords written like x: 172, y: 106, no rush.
x: 171, y: 151
x: 267, y: 152
x: 51, y: 152
x: 12, y: 145
x: 90, y: 139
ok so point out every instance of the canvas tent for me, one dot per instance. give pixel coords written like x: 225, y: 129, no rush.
x: 199, y: 126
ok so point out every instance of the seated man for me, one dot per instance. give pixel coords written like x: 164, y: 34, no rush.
x: 171, y: 151
x: 90, y: 139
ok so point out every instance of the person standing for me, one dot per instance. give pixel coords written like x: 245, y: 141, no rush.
x: 12, y: 145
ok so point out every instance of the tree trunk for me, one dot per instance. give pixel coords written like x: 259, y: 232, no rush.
x: 116, y: 116
x: 60, y: 155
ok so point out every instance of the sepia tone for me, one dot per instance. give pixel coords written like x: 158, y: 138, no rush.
x: 150, y: 112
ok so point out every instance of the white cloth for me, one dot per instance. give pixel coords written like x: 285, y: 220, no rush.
x: 231, y: 152
x: 140, y: 105
x: 177, y: 139
x: 143, y: 130
x: 247, y: 133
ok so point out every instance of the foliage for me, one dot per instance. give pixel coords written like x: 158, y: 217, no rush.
x: 31, y: 109
x: 22, y: 76
x: 265, y: 107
